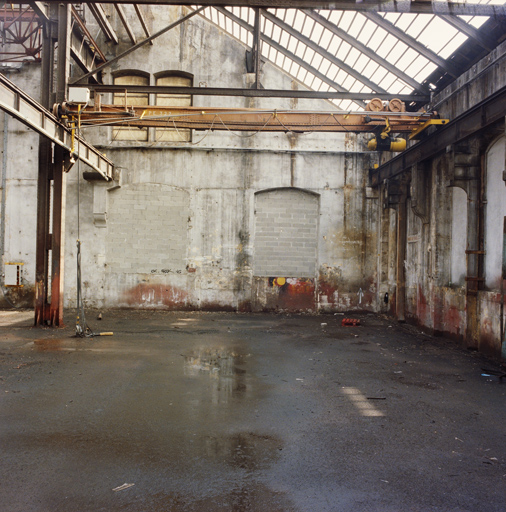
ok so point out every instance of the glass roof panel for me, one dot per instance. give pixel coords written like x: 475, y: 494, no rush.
x: 393, y: 61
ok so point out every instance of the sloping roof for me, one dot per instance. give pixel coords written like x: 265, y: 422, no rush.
x: 397, y: 53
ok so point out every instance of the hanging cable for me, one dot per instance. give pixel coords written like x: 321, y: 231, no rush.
x: 82, y: 328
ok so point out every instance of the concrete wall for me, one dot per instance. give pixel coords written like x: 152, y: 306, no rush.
x: 181, y: 228
x: 456, y: 204
x: 18, y: 171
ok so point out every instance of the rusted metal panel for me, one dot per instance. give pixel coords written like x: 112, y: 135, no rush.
x: 291, y: 294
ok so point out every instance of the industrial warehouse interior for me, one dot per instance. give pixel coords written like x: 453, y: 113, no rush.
x: 253, y: 256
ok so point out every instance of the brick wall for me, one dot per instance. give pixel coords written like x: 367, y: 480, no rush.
x: 286, y: 231
x: 147, y: 229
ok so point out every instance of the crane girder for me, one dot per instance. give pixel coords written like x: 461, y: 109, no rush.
x: 242, y: 119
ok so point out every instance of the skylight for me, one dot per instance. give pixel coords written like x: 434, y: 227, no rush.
x: 330, y: 50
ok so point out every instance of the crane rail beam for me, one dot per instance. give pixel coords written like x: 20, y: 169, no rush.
x: 32, y: 114
x: 216, y: 118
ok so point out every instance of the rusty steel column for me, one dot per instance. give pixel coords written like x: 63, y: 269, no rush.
x: 58, y: 238
x: 43, y: 241
x: 51, y: 183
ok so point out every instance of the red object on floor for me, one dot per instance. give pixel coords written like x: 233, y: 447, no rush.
x: 350, y: 322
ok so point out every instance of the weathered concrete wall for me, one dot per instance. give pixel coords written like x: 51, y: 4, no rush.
x: 180, y: 229
x: 18, y: 184
x: 456, y: 204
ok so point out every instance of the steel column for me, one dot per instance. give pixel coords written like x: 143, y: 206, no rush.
x: 58, y: 238
x: 43, y: 189
x: 51, y: 190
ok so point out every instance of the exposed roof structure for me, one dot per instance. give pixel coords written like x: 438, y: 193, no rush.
x: 365, y: 51
x: 410, y: 48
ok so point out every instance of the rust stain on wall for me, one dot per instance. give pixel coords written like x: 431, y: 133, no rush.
x: 156, y: 296
x: 285, y: 294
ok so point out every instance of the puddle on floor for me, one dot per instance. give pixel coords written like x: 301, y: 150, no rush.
x: 244, y: 450
x: 224, y: 368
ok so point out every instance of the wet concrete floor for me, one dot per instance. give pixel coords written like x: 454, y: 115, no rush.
x: 240, y: 412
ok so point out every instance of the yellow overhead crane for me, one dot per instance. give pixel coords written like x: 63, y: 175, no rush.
x: 382, y: 119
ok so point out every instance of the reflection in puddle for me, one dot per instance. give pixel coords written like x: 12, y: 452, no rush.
x: 245, y: 450
x: 241, y: 497
x: 221, y: 365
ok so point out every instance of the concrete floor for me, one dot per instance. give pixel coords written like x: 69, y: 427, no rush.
x: 234, y: 412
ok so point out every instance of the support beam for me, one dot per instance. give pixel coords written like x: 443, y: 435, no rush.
x: 402, y: 238
x: 476, y: 35
x: 413, y: 43
x: 99, y: 14
x: 143, y: 23
x: 247, y: 119
x: 124, y: 21
x: 58, y: 190
x: 19, y: 105
x: 257, y: 47
x: 58, y: 237
x: 254, y: 93
x: 413, y: 6
x: 355, y: 43
x: 490, y: 111
x: 43, y: 189
x: 42, y: 10
x: 136, y: 46
x: 301, y: 62
x: 86, y: 33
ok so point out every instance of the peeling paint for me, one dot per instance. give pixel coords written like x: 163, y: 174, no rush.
x: 147, y: 295
x: 284, y: 294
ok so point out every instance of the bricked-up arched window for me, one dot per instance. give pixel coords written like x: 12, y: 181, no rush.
x: 173, y: 79
x: 127, y: 78
x: 495, y: 211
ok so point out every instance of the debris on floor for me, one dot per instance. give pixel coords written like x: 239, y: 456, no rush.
x: 123, y: 487
x: 350, y: 322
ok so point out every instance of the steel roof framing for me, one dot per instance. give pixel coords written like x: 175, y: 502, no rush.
x: 478, y: 36
x: 143, y: 22
x: 251, y: 93
x: 413, y: 43
x: 99, y: 14
x: 124, y: 21
x: 324, y: 78
x: 406, y: 6
x: 324, y: 53
x: 342, y: 34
